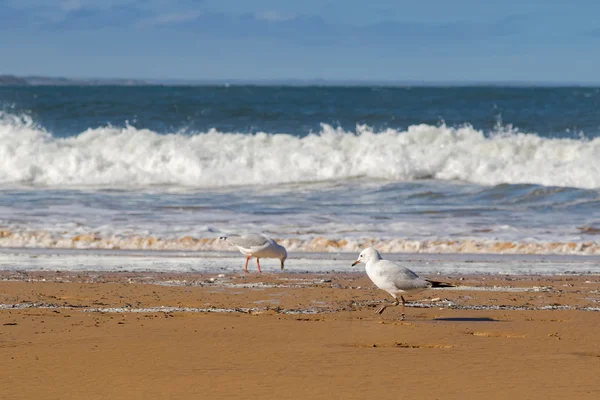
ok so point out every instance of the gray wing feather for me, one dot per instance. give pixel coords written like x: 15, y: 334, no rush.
x: 248, y: 240
x: 418, y: 283
x: 403, y: 278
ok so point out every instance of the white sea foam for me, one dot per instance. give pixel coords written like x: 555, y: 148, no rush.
x: 95, y: 240
x: 130, y: 157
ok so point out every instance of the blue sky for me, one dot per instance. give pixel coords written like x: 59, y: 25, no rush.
x: 426, y: 40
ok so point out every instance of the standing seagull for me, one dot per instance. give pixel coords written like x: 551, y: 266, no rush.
x: 394, y: 279
x: 259, y: 246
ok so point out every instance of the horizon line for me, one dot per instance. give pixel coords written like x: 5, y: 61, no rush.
x: 289, y: 81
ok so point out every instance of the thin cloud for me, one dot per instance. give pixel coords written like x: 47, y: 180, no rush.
x: 168, y: 19
x: 274, y: 16
x: 71, y: 5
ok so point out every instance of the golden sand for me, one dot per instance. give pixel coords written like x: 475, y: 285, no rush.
x: 295, y: 336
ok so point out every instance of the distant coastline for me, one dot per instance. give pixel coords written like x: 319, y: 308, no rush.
x: 14, y: 80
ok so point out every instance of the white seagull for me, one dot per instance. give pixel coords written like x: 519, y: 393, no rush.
x: 256, y: 245
x: 393, y: 278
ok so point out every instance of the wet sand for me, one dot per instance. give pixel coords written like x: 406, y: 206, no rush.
x: 295, y: 336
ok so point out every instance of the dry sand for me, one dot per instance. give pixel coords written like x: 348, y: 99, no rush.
x: 294, y: 336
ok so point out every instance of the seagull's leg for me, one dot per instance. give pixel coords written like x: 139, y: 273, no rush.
x: 381, y: 309
x: 396, y: 303
x: 246, y: 266
x: 258, y: 263
x: 403, y: 302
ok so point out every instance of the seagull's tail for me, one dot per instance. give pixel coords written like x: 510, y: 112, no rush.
x: 440, y: 284
x: 222, y: 237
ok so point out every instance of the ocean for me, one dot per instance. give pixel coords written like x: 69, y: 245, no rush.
x: 491, y: 170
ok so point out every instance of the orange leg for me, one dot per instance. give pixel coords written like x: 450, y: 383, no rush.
x: 396, y: 302
x: 258, y: 263
x: 403, y: 303
x: 246, y: 266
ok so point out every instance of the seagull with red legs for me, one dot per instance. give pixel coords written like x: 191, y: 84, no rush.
x: 257, y: 245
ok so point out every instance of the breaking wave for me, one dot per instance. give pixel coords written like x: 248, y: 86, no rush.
x: 133, y: 158
x: 92, y: 240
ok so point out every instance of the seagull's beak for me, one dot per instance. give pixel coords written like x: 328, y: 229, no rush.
x: 355, y: 262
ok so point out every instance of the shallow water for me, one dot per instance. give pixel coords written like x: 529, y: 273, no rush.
x: 228, y: 262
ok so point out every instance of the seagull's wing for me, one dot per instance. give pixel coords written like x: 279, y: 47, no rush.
x: 249, y: 241
x: 403, y: 278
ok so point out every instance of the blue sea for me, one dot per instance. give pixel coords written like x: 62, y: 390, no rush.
x: 323, y: 169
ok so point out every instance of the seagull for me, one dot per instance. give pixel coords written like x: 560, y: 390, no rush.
x: 256, y: 245
x: 393, y: 278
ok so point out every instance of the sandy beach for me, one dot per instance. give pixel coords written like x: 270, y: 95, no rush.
x: 86, y: 335
x: 150, y: 151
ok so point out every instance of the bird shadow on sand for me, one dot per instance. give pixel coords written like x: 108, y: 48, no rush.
x: 467, y: 319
